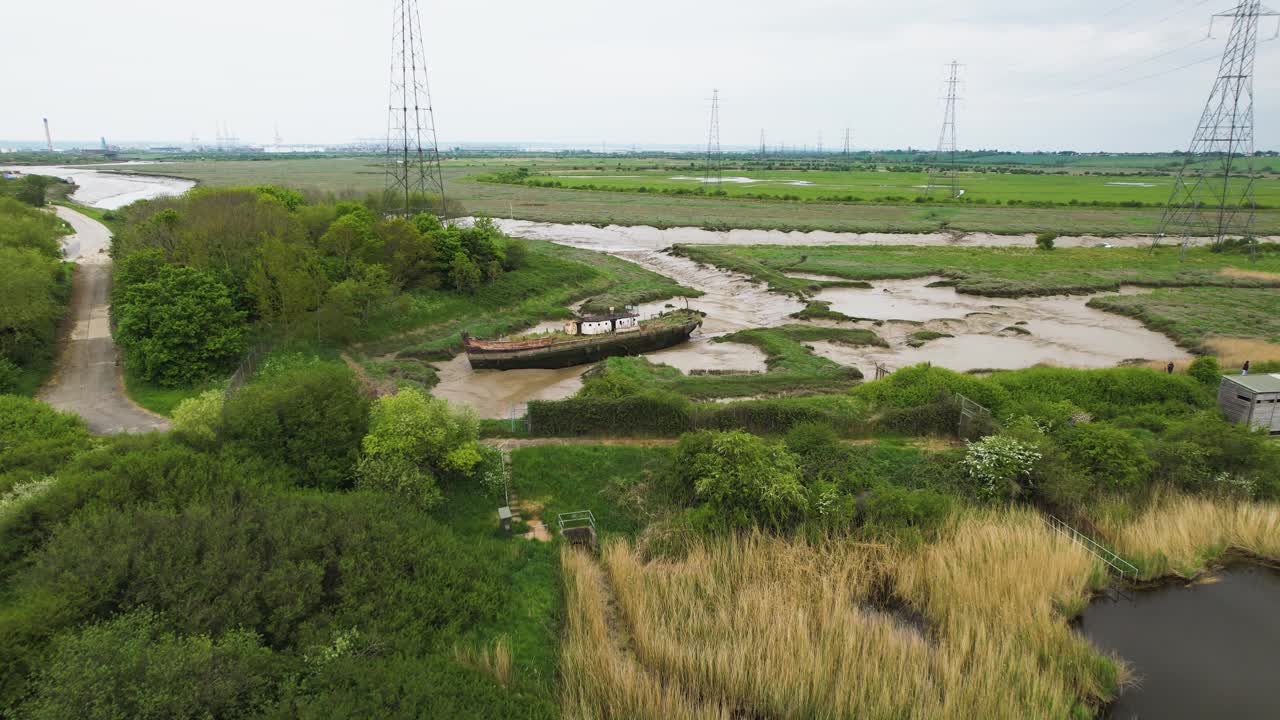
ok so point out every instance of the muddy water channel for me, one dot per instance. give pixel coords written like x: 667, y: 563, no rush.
x: 1210, y: 650
x: 618, y: 237
x: 732, y: 303
x: 988, y: 333
x: 110, y: 190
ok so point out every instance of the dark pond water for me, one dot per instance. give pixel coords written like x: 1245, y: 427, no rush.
x: 1211, y: 650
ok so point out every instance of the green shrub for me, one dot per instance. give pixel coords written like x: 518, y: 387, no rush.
x: 198, y: 420
x: 130, y: 667
x: 1206, y: 369
x: 891, y: 508
x: 9, y: 376
x: 924, y: 385
x: 1045, y: 240
x: 1115, y: 459
x: 414, y: 441
x: 741, y: 479
x: 650, y: 414
x: 36, y: 438
x: 309, y: 419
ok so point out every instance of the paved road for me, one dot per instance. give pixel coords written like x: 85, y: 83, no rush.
x: 87, y: 380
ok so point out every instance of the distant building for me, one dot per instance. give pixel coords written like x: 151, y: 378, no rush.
x: 1251, y: 400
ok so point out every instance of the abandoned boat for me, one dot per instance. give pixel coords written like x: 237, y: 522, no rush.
x: 584, y: 340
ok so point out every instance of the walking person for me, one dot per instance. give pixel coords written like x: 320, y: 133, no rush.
x: 1170, y: 368
x: 1245, y: 369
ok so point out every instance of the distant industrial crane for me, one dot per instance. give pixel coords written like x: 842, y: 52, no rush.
x: 48, y: 138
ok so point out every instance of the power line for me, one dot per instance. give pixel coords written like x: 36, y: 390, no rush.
x: 947, y: 146
x: 413, y: 152
x: 1214, y: 191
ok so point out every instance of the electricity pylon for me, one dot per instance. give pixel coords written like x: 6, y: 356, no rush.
x: 413, y: 154
x: 943, y: 172
x: 714, y: 171
x: 1213, y: 195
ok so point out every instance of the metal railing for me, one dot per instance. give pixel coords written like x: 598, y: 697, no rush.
x: 1121, y: 567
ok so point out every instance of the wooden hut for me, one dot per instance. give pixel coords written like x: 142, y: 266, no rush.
x: 1252, y: 400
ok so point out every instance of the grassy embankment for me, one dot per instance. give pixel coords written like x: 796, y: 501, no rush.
x: 791, y: 367
x: 1198, y: 303
x: 361, y: 175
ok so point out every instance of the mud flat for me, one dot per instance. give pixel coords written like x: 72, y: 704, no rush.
x: 988, y: 333
x: 1209, y: 650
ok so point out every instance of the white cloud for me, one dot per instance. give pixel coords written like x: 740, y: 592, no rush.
x: 587, y: 71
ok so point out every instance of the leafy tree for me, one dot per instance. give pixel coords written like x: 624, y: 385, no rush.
x: 515, y: 254
x: 348, y: 242
x: 464, y: 276
x: 310, y: 419
x: 287, y: 282
x: 408, y: 254
x: 32, y: 190
x: 742, y: 479
x: 178, y: 327
x: 131, y: 667
x: 414, y: 441
x: 357, y: 298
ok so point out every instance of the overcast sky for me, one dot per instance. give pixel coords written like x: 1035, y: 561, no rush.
x: 1039, y: 74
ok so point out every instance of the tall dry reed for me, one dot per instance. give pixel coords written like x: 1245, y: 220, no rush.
x: 781, y: 628
x: 601, y: 680
x: 1179, y: 534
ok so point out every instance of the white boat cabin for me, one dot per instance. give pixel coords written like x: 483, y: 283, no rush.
x: 604, y: 324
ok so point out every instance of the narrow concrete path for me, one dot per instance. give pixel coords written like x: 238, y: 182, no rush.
x: 87, y: 380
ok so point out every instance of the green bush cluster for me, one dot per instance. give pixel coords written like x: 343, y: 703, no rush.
x: 34, y: 289
x: 216, y: 572
x: 196, y: 273
x: 732, y: 480
x: 650, y: 414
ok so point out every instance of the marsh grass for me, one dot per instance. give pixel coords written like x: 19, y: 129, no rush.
x: 973, y: 625
x: 1179, y: 535
x: 495, y: 660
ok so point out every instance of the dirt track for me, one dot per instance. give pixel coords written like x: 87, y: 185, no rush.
x: 87, y: 380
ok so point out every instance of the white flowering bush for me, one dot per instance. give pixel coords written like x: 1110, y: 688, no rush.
x: 996, y: 463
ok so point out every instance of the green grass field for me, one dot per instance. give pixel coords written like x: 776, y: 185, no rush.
x: 998, y: 272
x: 358, y: 176
x: 892, y: 187
x: 1193, y: 315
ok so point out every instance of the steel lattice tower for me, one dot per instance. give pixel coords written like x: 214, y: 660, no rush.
x: 413, y: 154
x: 1213, y: 194
x: 943, y: 172
x: 715, y: 166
